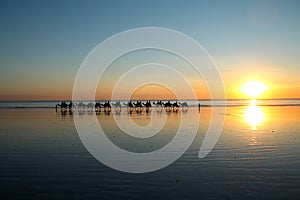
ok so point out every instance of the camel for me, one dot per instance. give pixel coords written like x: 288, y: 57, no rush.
x: 117, y: 104
x: 118, y: 107
x: 97, y: 106
x: 175, y: 106
x: 138, y: 106
x: 168, y: 106
x: 107, y: 107
x: 70, y: 106
x: 63, y: 105
x: 147, y: 106
x: 129, y: 106
x: 80, y: 105
x: 184, y: 106
x: 89, y: 106
x: 159, y: 106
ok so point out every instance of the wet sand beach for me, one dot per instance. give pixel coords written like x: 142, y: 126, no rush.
x: 257, y: 157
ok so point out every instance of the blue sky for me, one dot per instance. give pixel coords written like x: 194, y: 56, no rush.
x: 44, y: 42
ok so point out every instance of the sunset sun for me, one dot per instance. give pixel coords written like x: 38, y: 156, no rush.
x: 254, y: 88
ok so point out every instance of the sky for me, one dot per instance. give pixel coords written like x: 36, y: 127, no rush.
x: 43, y: 43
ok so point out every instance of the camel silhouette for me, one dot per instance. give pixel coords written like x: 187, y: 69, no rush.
x: 64, y: 106
x: 138, y: 106
x: 107, y: 107
x: 97, y: 106
x: 70, y: 105
x: 147, y: 106
x: 168, y: 106
x: 175, y: 106
x: 129, y: 106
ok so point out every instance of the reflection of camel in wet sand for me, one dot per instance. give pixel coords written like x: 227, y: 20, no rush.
x: 106, y: 106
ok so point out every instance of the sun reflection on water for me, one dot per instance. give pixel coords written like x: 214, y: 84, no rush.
x: 254, y: 116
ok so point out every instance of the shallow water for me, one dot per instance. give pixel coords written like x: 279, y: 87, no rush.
x: 193, y: 103
x: 257, y: 156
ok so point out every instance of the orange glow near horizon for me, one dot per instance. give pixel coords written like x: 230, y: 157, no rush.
x: 63, y: 91
x: 153, y: 92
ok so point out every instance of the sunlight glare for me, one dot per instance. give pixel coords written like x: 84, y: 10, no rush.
x: 254, y: 88
x: 253, y: 102
x: 254, y: 116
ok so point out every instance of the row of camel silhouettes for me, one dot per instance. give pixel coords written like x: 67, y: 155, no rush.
x: 137, y: 106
